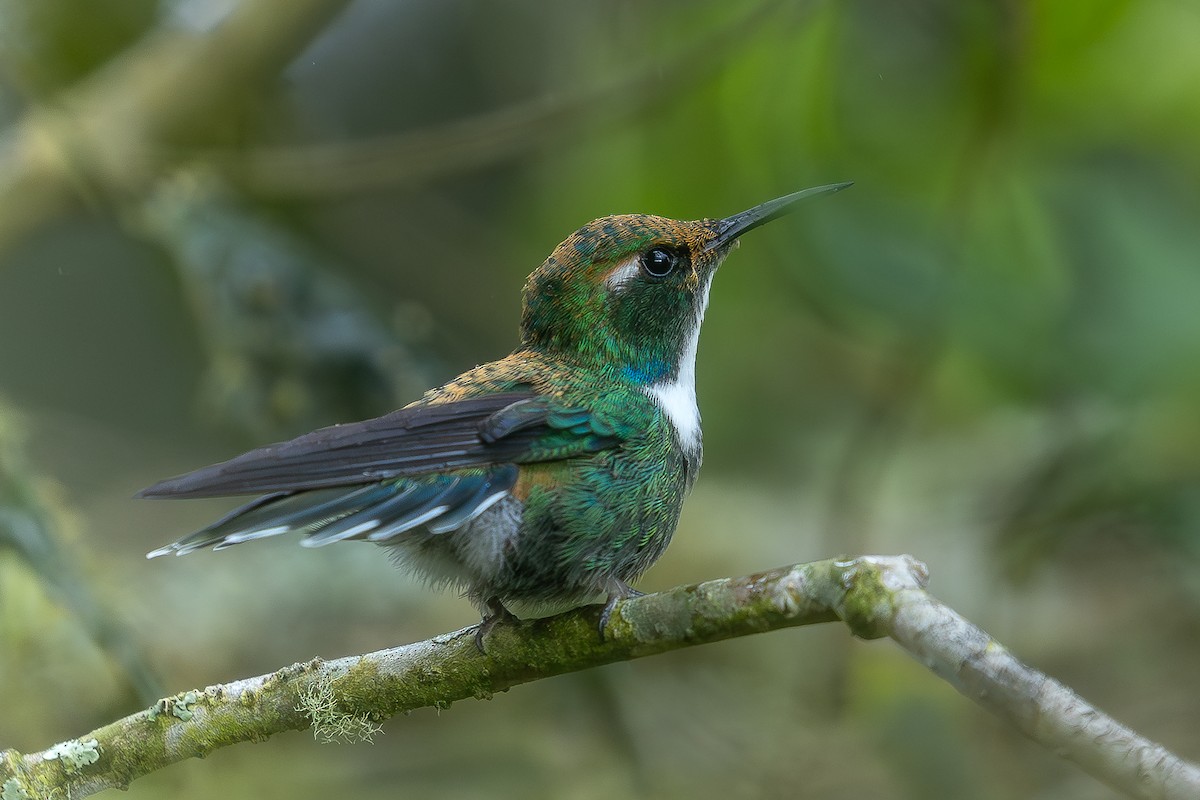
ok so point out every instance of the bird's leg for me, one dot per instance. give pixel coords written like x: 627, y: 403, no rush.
x: 621, y: 591
x: 496, y: 612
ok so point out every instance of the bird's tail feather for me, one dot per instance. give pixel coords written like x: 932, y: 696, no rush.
x: 377, y: 512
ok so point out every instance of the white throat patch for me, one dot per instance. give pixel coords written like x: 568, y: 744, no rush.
x: 677, y: 398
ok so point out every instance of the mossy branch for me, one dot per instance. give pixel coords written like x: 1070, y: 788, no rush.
x: 346, y: 698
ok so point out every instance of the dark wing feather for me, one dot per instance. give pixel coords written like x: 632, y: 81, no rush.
x: 511, y: 427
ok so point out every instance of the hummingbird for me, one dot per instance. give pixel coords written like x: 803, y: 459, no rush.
x: 552, y: 477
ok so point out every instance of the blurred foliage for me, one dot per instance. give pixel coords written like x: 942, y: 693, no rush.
x: 987, y: 353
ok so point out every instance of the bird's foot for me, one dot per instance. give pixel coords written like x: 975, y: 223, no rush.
x: 623, y: 592
x: 496, y: 613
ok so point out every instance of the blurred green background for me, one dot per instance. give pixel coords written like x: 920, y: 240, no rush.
x: 225, y: 223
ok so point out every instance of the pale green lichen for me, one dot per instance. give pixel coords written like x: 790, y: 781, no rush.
x: 13, y: 790
x: 179, y: 706
x: 183, y: 706
x: 331, y: 724
x: 75, y: 754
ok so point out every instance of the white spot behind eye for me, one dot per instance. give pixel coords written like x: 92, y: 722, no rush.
x: 623, y: 273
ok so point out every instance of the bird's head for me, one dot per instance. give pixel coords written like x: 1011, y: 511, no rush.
x: 628, y: 292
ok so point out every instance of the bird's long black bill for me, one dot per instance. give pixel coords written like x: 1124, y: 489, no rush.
x: 730, y: 228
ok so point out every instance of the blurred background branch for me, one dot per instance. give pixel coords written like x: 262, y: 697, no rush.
x: 35, y: 528
x: 289, y: 342
x: 105, y: 136
x: 564, y: 117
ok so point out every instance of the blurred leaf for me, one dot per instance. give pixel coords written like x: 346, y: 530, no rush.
x: 50, y: 44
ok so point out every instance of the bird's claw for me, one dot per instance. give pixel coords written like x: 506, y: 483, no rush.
x: 623, y: 592
x: 496, y: 613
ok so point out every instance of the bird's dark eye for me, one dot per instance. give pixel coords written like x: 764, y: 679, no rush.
x: 659, y: 262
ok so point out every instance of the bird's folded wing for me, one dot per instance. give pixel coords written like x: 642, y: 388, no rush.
x: 513, y: 427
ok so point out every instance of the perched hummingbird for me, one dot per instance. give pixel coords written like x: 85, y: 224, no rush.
x: 554, y: 475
